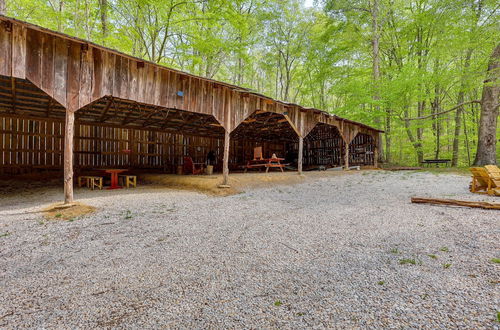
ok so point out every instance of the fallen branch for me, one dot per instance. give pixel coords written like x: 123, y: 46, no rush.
x: 443, y: 112
x: 454, y: 202
x: 291, y: 248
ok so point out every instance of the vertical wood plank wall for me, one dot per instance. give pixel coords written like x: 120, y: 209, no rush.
x: 362, y: 150
x: 32, y: 144
x: 27, y: 144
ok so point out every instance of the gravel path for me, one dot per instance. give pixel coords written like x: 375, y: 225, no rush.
x: 336, y: 251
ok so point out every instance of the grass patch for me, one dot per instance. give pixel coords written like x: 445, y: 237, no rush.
x: 128, y: 215
x: 447, y: 170
x: 5, y: 234
x: 446, y: 266
x: 395, y: 251
x: 60, y: 211
x: 407, y: 261
x: 380, y: 282
x: 432, y: 256
x: 495, y: 260
x: 278, y: 303
x: 444, y: 249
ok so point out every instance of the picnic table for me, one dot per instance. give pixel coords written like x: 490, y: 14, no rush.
x: 265, y: 162
x: 436, y: 161
x: 114, y: 176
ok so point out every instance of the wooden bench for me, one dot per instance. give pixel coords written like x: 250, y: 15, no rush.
x: 128, y: 180
x: 267, y: 163
x: 90, y: 181
x: 250, y: 166
x: 436, y: 161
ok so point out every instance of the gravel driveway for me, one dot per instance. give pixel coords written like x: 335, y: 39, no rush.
x: 336, y: 251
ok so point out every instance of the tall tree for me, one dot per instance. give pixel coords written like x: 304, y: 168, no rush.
x: 103, y: 9
x: 477, y: 8
x: 3, y: 7
x: 486, y: 146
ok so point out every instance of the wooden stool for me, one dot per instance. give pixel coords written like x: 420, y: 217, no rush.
x: 128, y: 180
x: 90, y: 181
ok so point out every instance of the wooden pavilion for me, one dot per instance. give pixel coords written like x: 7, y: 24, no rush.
x: 67, y: 103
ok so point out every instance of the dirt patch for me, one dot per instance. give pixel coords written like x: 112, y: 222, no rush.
x: 238, y: 182
x: 59, y: 211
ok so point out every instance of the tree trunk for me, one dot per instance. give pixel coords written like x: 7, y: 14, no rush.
x: 103, y: 8
x: 458, y: 114
x: 3, y: 7
x: 478, y: 7
x: 376, y: 64
x: 486, y: 144
x: 416, y: 144
x: 388, y: 143
x: 436, y: 123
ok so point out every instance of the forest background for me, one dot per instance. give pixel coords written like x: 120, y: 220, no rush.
x: 398, y: 65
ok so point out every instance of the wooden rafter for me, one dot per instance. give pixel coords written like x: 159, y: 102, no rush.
x: 106, y: 109
x: 49, y: 107
x: 14, y: 98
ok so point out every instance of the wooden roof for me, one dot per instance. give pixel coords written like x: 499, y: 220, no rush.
x: 44, y: 72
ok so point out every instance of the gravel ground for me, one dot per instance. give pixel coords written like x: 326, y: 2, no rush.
x: 325, y: 253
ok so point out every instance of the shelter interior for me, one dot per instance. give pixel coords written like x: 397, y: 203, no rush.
x: 117, y: 133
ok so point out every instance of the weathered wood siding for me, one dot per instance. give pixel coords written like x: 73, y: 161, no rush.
x: 76, y: 73
x: 29, y: 144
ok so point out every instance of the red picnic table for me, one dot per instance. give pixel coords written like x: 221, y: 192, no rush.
x: 114, y: 176
x: 265, y: 162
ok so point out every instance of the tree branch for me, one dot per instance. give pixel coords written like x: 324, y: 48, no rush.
x: 443, y: 112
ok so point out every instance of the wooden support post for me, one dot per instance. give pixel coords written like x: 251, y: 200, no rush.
x: 379, y: 150
x: 69, y: 130
x: 225, y: 161
x: 301, y: 154
x: 346, y: 157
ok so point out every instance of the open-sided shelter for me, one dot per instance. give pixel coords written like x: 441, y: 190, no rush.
x: 66, y: 104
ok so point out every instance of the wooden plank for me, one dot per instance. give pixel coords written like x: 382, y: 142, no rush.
x: 108, y: 73
x: 157, y: 85
x: 73, y: 79
x: 86, y: 75
x: 6, y: 49
x: 47, y: 62
x: 124, y: 75
x: 34, y: 57
x: 164, y: 90
x: 133, y: 80
x: 18, y: 51
x: 97, y: 74
x: 454, y: 202
x: 142, y: 74
x: 117, y: 79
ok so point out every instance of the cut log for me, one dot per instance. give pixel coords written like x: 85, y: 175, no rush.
x: 454, y: 202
